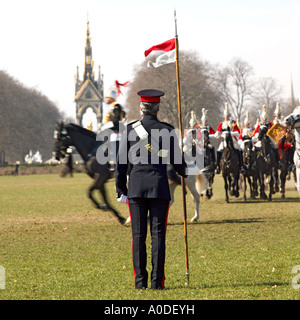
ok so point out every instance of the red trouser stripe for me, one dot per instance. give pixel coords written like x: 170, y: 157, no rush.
x: 134, y: 272
x: 166, y: 223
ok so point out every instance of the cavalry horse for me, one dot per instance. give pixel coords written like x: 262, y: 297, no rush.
x: 196, y: 182
x: 250, y: 169
x: 229, y: 165
x: 86, y: 144
x: 293, y: 120
x: 266, y: 163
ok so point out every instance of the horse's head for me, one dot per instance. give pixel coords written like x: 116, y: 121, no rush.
x: 205, y: 135
x: 248, y: 152
x: 263, y: 129
x: 293, y: 120
x: 227, y: 138
x: 62, y: 140
x: 266, y: 144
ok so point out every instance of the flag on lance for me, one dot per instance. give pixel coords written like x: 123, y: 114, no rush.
x: 166, y: 52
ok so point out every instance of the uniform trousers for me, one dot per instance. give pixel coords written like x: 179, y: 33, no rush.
x: 158, y: 214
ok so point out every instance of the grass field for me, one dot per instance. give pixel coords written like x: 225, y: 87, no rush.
x: 55, y: 245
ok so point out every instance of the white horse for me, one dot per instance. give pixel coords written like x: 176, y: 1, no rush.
x: 294, y: 121
x: 197, y: 184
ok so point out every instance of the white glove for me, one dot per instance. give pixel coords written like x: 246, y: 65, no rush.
x: 123, y: 199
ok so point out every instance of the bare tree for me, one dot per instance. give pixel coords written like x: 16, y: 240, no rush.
x: 198, y: 89
x: 236, y: 85
x: 268, y: 93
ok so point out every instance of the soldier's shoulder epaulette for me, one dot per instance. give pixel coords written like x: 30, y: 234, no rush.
x: 132, y: 122
x: 168, y: 124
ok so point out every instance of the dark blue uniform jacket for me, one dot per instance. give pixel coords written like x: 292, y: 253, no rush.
x: 147, y: 180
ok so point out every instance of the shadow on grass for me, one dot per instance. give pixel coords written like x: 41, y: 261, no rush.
x: 247, y: 220
x: 234, y: 285
x: 258, y: 200
x: 287, y: 199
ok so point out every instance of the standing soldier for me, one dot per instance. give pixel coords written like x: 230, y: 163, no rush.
x: 148, y: 190
x: 227, y: 125
x: 114, y: 117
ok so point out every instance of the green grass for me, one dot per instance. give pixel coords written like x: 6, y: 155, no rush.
x: 55, y: 245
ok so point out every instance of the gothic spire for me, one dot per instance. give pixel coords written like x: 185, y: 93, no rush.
x: 89, y: 63
x: 292, y: 97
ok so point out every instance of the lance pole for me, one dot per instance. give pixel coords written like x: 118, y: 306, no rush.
x: 181, y: 140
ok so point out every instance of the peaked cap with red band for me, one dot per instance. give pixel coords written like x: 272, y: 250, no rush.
x: 150, y: 95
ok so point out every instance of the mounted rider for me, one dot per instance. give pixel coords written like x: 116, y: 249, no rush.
x: 246, y: 136
x: 246, y: 132
x: 114, y: 118
x: 268, y: 124
x: 204, y: 122
x: 206, y: 127
x: 192, y: 139
x: 231, y: 126
x: 278, y: 118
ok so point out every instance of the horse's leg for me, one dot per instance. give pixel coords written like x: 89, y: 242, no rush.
x: 196, y: 199
x: 244, y: 187
x: 172, y: 187
x: 297, y: 184
x: 283, y: 175
x: 236, y: 179
x: 191, y: 184
x: 99, y: 185
x: 262, y: 186
x: 107, y: 206
x: 209, y: 191
x: 255, y: 185
x: 276, y: 179
x: 251, y: 188
x: 211, y: 184
x: 271, y: 186
x: 230, y: 185
x: 226, y: 188
x: 90, y: 195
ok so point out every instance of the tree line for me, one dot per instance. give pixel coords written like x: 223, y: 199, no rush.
x: 209, y: 86
x: 27, y: 121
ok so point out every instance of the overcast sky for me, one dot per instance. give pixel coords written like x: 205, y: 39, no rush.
x: 42, y: 42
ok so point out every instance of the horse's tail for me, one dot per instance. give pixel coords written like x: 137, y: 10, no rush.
x: 201, y: 182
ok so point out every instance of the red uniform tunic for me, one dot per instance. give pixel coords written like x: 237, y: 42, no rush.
x: 233, y: 127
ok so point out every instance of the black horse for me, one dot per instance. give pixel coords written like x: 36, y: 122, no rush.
x: 250, y: 172
x: 230, y: 166
x: 87, y: 146
x: 266, y: 163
